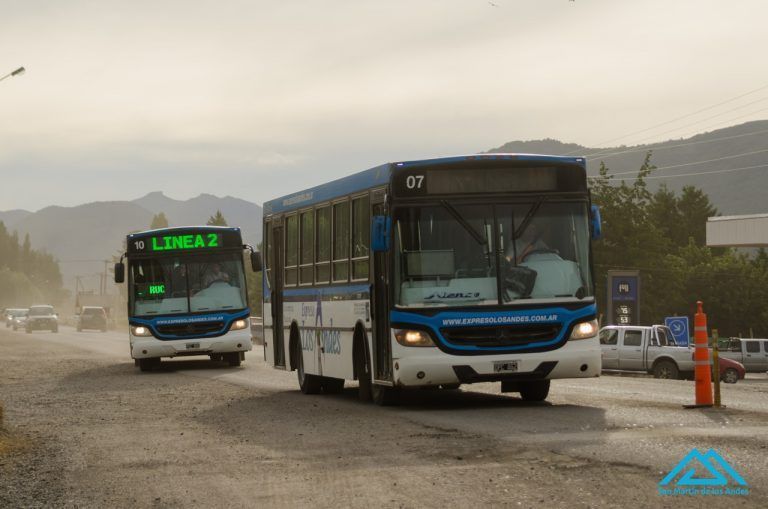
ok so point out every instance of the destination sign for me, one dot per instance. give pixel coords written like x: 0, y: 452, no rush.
x: 454, y: 181
x: 176, y: 242
x: 173, y: 241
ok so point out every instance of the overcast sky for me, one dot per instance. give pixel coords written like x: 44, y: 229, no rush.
x: 257, y: 99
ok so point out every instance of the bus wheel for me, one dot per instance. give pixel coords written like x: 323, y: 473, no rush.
x: 149, y: 364
x: 363, y: 370
x: 536, y: 390
x: 333, y: 385
x: 384, y: 396
x: 309, y: 384
x: 233, y: 358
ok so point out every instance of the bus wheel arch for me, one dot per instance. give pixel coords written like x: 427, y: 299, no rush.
x: 361, y: 364
x: 308, y: 383
x: 294, y: 346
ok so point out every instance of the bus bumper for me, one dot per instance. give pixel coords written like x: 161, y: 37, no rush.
x: 431, y: 366
x: 151, y: 347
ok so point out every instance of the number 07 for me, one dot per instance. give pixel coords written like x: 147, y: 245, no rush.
x: 414, y: 181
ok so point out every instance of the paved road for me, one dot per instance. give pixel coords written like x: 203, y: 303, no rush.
x: 598, y: 442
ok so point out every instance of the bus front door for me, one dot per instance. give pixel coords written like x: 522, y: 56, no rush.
x: 382, y: 347
x: 278, y: 343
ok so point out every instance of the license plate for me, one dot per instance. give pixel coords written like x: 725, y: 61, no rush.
x: 505, y: 366
x: 193, y: 346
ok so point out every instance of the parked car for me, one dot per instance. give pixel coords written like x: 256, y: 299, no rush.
x: 10, y: 313
x: 18, y: 318
x: 653, y: 350
x: 731, y: 371
x: 752, y: 353
x: 92, y: 317
x: 42, y: 317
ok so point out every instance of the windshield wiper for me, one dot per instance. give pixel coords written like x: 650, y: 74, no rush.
x: 463, y: 222
x: 528, y: 216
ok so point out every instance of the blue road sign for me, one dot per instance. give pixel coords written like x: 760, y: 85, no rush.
x: 679, y: 327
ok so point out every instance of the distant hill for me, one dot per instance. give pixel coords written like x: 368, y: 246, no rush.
x: 82, y: 236
x: 11, y: 217
x: 196, y: 211
x: 738, y: 192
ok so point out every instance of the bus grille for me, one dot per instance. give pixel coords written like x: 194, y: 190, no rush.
x: 514, y: 335
x: 190, y: 329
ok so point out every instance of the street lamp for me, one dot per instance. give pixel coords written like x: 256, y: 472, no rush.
x: 18, y: 71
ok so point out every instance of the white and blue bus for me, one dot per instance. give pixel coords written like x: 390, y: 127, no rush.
x: 187, y: 294
x: 435, y: 273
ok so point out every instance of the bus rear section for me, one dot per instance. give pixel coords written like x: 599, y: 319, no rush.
x: 435, y: 274
x: 187, y: 295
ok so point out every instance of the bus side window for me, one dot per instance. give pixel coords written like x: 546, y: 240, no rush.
x: 341, y: 241
x: 291, y: 250
x: 323, y: 244
x: 306, y: 249
x: 268, y: 262
x: 361, y: 237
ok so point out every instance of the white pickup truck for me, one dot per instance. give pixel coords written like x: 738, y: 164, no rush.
x: 752, y: 353
x: 645, y: 348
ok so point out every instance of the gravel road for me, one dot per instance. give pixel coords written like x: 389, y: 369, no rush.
x: 85, y: 429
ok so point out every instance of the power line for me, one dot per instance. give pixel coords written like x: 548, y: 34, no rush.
x: 683, y: 116
x: 730, y: 120
x: 711, y: 172
x: 646, y: 148
x: 692, y: 124
x: 696, y: 162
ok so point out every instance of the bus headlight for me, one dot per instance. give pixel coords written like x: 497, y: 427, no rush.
x: 584, y: 330
x: 413, y: 337
x: 239, y: 324
x: 140, y: 330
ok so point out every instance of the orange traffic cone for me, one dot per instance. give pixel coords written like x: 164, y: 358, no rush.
x: 701, y: 358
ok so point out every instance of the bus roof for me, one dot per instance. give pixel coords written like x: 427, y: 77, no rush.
x: 183, y: 229
x: 380, y: 175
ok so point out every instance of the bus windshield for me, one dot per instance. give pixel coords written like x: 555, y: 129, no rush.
x: 187, y: 284
x: 454, y: 254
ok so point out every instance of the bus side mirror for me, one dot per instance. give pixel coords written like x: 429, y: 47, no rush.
x: 119, y: 272
x: 380, y: 230
x: 597, y: 223
x: 256, y: 261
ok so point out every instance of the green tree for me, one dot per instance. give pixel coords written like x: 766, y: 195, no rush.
x: 630, y: 238
x: 159, y: 221
x: 217, y: 220
x: 694, y: 208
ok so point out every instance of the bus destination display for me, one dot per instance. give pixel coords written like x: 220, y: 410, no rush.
x: 176, y: 242
x: 492, y: 180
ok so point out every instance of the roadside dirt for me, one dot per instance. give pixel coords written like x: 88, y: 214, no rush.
x: 93, y: 432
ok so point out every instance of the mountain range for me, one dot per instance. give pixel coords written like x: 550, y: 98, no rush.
x: 82, y: 237
x: 730, y: 165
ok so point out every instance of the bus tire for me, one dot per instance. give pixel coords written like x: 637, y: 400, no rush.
x: 233, y: 359
x: 666, y: 370
x: 309, y: 384
x: 535, y: 390
x: 147, y: 365
x: 384, y: 396
x: 332, y: 385
x: 362, y: 368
